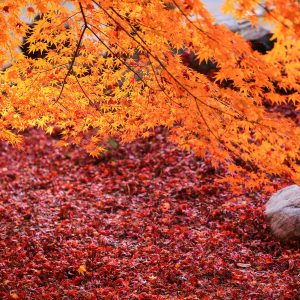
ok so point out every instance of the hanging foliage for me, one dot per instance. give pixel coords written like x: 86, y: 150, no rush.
x: 114, y: 68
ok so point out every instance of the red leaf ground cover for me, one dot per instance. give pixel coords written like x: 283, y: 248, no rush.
x: 148, y: 221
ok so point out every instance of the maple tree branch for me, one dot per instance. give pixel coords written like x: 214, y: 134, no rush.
x: 174, y: 78
x: 148, y: 51
x: 163, y: 66
x: 238, y: 116
x: 269, y: 12
x: 68, y: 18
x: 190, y: 21
x: 145, y: 47
x: 207, y: 125
x: 118, y: 58
x: 74, y: 55
x: 83, y: 91
x: 161, y: 87
x: 241, y: 117
x: 157, y: 59
x: 109, y: 49
x: 124, y: 61
x: 48, y: 70
x: 83, y: 14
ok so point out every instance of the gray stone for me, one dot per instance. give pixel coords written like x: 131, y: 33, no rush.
x: 243, y: 27
x: 283, y: 213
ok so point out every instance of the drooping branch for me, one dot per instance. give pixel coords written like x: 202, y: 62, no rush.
x: 150, y: 63
x: 75, y: 54
x: 117, y: 56
x: 269, y: 12
x: 143, y: 45
x: 191, y: 22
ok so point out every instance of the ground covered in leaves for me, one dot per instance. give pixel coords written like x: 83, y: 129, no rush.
x: 145, y: 222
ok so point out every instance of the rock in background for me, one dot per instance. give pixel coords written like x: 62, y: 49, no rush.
x: 283, y: 213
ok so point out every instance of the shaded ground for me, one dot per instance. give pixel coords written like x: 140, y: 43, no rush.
x: 147, y: 222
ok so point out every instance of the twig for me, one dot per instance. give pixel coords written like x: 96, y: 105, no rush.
x: 74, y: 55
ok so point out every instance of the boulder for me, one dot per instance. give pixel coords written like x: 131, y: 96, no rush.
x: 283, y: 213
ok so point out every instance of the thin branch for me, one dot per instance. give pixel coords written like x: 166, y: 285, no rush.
x: 67, y: 19
x: 238, y: 116
x: 269, y: 12
x: 161, y: 87
x: 144, y: 46
x: 190, y: 21
x: 121, y: 17
x: 163, y: 66
x: 123, y: 49
x: 83, y: 14
x: 48, y: 70
x: 74, y: 55
x: 117, y: 57
x: 159, y: 61
x: 83, y: 91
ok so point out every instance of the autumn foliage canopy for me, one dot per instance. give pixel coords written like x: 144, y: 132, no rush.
x: 114, y: 68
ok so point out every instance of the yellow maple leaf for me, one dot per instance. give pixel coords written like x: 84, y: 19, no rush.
x: 81, y: 270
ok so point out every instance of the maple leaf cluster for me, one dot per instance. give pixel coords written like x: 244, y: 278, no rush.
x: 114, y: 69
